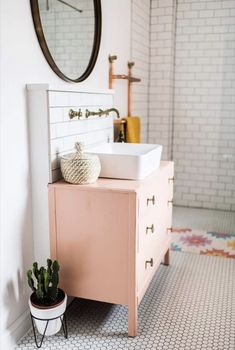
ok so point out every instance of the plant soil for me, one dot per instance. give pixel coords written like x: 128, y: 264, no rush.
x: 46, y: 304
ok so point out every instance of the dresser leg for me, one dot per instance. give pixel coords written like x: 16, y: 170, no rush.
x: 167, y: 258
x: 132, y: 320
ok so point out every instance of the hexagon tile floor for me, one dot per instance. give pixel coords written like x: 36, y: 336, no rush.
x: 188, y: 306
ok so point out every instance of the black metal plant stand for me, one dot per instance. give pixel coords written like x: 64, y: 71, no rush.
x: 62, y: 318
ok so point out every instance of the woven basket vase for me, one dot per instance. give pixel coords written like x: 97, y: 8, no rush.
x: 79, y: 167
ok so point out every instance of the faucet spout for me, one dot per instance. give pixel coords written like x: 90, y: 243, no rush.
x: 114, y: 110
x: 102, y: 112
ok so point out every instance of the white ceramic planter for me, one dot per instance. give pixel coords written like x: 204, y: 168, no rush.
x: 48, y: 313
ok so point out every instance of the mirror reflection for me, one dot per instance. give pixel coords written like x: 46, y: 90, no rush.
x: 69, y: 30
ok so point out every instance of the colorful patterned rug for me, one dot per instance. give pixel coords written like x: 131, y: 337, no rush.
x: 203, y: 242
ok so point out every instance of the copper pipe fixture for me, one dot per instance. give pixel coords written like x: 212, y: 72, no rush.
x: 111, y: 59
x: 113, y: 76
x: 129, y: 91
x: 127, y: 77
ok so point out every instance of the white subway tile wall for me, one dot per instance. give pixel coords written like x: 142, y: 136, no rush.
x: 161, y: 82
x: 204, y: 104
x: 140, y: 46
x: 202, y: 85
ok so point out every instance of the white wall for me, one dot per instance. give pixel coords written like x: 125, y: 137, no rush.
x: 22, y: 62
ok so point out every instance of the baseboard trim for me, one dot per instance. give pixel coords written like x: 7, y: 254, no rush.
x: 16, y: 331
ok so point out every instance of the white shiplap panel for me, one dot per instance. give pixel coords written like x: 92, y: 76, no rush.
x: 56, y: 115
x: 64, y: 98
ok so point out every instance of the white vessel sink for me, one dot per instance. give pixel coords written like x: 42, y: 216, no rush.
x: 127, y: 160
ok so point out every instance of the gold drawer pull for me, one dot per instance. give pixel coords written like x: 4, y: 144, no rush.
x: 169, y: 229
x: 74, y: 114
x: 171, y: 179
x: 151, y: 200
x: 170, y: 202
x: 151, y: 228
x: 149, y: 262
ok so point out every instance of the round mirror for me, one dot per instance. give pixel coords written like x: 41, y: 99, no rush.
x: 69, y: 34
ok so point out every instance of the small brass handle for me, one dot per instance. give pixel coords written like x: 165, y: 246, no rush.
x: 170, y: 202
x: 149, y: 262
x: 171, y: 179
x: 74, y: 114
x: 151, y: 200
x: 130, y: 64
x: 112, y: 58
x: 169, y: 229
x: 151, y: 228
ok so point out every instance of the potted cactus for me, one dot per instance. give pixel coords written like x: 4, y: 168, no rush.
x: 47, y: 300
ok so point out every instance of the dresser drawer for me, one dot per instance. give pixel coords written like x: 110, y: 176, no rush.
x: 149, y: 201
x: 157, y: 194
x: 155, y: 203
x: 151, y: 252
x: 154, y: 231
x: 151, y: 229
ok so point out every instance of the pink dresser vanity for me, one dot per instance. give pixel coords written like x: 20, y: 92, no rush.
x: 111, y: 236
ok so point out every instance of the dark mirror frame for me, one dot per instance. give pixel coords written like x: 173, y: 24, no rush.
x: 46, y: 51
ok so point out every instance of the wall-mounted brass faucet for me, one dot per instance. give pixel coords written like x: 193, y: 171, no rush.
x: 73, y: 114
x: 102, y: 112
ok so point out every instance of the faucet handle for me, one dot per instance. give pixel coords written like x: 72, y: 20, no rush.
x: 74, y: 114
x: 130, y: 64
x: 112, y: 58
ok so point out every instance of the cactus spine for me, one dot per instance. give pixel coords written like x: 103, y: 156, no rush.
x: 44, y: 281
